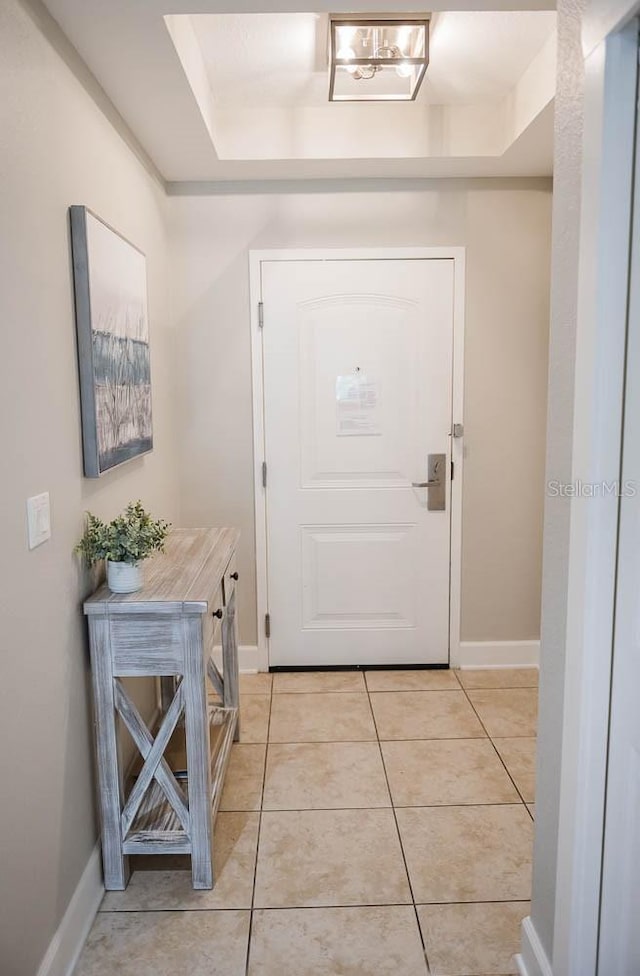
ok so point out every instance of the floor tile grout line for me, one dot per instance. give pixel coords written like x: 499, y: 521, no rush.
x: 498, y: 738
x: 388, y: 691
x: 494, y: 687
x: 366, y: 690
x: 376, y: 691
x: 420, y: 738
x: 392, y: 805
x: 418, y: 691
x: 402, y: 851
x: 396, y: 806
x: 515, y: 786
x: 324, y: 691
x: 409, y: 691
x: 492, y: 739
x: 168, y: 911
x: 353, y: 692
x: 289, y: 908
x: 460, y: 671
x: 499, y: 687
x: 255, y: 865
x: 494, y: 745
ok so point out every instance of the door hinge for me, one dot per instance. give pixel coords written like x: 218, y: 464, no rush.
x: 264, y: 474
x: 267, y: 625
x: 452, y: 470
x: 261, y: 315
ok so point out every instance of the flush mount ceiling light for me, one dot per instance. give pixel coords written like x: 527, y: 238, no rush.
x: 377, y: 60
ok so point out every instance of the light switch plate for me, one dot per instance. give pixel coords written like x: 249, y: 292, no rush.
x: 38, y: 519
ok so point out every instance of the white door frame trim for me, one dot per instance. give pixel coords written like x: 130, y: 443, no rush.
x: 605, y: 236
x: 455, y: 254
x: 608, y: 165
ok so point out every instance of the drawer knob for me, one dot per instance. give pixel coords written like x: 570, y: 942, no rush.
x: 234, y: 576
x: 218, y: 614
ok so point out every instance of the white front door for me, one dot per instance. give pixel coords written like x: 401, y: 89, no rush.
x: 357, y: 360
x: 619, y: 943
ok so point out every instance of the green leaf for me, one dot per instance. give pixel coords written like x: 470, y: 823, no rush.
x: 130, y: 537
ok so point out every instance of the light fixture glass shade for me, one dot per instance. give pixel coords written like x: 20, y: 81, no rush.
x: 377, y: 60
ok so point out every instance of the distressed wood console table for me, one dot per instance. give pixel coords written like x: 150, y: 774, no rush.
x: 167, y: 630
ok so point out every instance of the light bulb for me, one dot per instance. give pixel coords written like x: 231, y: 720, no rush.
x: 345, y: 54
x: 404, y: 69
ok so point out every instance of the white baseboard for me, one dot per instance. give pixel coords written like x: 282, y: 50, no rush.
x: 497, y: 654
x: 533, y: 960
x: 471, y: 654
x: 66, y: 945
x: 250, y: 658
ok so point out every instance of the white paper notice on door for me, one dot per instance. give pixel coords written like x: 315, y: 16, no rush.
x: 358, y: 406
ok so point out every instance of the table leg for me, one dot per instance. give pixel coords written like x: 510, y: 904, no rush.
x: 198, y: 756
x: 115, y: 864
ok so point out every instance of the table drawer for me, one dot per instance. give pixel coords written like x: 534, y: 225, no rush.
x: 211, y: 622
x: 146, y: 644
x: 229, y: 580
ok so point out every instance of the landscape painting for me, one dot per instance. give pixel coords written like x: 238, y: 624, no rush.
x: 113, y: 344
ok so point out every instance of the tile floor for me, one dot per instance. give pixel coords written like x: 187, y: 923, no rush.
x: 372, y: 824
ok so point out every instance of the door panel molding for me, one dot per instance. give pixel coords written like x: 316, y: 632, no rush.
x: 322, y: 548
x: 259, y: 322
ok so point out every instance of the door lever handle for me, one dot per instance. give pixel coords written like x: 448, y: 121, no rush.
x: 436, y: 483
x: 434, y: 469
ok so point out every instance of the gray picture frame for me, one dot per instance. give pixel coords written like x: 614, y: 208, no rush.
x: 112, y: 329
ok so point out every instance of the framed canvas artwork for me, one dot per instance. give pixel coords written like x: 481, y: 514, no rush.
x: 110, y: 283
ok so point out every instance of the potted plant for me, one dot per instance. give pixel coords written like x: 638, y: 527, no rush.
x: 124, y: 543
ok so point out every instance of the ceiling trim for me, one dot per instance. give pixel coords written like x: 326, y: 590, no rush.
x: 205, y: 188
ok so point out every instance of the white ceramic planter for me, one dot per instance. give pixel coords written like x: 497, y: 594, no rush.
x: 124, y: 577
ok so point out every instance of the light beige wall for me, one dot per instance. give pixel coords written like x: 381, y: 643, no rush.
x: 505, y: 227
x: 57, y: 149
